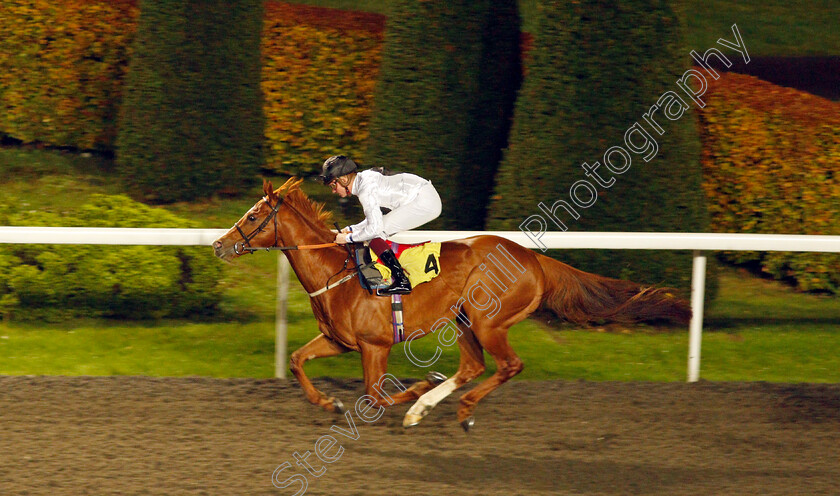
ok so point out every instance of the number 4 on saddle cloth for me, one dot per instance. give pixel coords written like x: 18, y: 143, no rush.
x: 421, y: 263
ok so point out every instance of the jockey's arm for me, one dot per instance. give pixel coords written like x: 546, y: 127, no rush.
x: 372, y: 226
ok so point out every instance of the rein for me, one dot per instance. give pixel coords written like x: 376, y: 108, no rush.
x: 286, y: 248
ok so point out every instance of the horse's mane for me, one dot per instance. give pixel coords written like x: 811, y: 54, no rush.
x: 295, y: 195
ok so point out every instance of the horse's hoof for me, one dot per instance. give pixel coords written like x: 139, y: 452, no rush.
x: 415, y: 414
x: 467, y: 423
x: 435, y: 378
x: 339, y: 406
x: 411, y: 420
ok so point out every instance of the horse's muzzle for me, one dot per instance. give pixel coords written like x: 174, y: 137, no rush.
x: 220, y: 251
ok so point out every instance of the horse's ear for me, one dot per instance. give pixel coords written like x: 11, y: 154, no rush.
x: 268, y: 189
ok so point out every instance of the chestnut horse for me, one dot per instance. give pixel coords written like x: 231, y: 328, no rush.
x: 486, y: 302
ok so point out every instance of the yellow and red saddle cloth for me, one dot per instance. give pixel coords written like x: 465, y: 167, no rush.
x: 421, y: 261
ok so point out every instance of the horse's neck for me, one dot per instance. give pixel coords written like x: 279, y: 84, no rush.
x: 313, y: 267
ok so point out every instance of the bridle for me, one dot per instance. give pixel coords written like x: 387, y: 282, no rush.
x: 239, y: 247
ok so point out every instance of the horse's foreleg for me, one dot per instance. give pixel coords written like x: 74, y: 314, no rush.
x: 320, y: 347
x: 470, y: 367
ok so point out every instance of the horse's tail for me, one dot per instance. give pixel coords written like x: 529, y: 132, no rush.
x: 581, y: 297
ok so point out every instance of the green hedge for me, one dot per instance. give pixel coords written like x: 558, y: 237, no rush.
x: 57, y: 281
x: 595, y: 68
x: 191, y: 123
x: 449, y: 74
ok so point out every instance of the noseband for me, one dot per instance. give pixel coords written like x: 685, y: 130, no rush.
x: 239, y: 248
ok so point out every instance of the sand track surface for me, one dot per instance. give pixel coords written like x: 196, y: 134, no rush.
x: 200, y: 436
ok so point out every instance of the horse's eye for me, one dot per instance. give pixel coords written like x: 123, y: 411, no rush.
x: 252, y: 218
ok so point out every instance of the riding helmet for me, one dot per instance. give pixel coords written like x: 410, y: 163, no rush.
x: 337, y: 166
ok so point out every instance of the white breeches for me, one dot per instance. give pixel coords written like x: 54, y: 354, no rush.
x: 425, y: 208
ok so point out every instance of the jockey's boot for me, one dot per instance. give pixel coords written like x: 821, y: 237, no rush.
x: 401, y: 284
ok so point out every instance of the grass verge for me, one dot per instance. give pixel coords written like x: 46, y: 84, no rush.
x: 743, y: 341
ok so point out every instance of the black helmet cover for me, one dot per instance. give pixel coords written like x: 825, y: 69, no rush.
x: 336, y: 166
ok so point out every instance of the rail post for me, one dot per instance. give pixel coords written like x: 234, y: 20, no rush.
x: 695, y: 328
x: 280, y: 361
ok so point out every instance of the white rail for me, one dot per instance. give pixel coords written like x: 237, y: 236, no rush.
x: 109, y: 236
x: 697, y: 242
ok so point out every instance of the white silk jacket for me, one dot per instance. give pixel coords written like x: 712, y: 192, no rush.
x: 376, y: 190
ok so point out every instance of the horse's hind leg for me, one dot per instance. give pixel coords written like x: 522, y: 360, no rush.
x: 375, y: 366
x: 508, y: 364
x: 471, y: 366
x: 320, y: 347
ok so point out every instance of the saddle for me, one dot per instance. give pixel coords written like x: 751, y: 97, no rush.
x: 420, y: 262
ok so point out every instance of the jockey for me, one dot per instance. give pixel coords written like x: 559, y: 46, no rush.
x: 412, y: 201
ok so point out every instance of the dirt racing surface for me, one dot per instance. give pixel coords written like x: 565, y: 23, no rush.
x: 137, y: 435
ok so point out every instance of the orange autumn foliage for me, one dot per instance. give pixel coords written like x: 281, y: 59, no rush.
x: 319, y: 71
x: 771, y: 161
x: 62, y: 64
